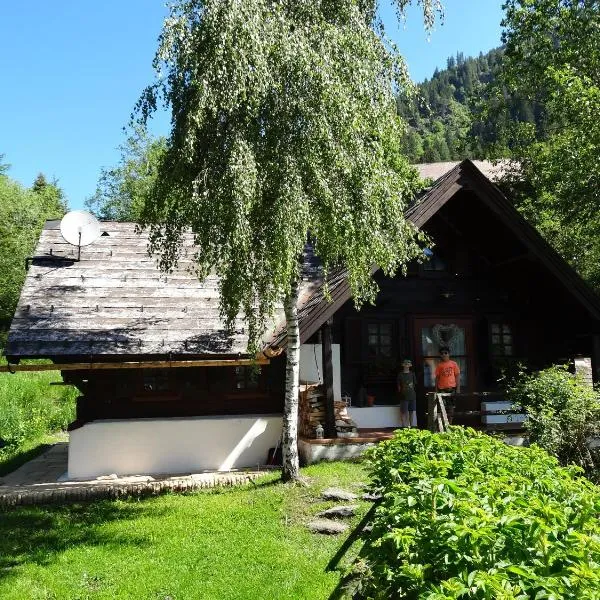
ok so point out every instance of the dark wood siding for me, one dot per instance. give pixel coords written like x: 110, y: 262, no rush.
x: 490, y: 277
x: 148, y: 393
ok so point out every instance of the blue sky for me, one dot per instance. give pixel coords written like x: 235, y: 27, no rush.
x: 72, y: 71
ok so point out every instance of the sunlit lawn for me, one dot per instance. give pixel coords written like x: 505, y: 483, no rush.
x: 31, y: 411
x: 245, y: 543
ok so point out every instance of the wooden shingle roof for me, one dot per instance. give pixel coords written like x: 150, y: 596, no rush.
x: 115, y: 301
x: 492, y: 170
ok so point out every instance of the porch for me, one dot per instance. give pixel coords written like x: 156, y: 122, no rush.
x: 341, y: 448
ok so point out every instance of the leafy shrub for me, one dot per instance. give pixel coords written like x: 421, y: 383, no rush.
x: 465, y: 516
x: 30, y: 408
x: 563, y: 415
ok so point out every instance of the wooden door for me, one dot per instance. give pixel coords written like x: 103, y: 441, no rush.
x: 432, y: 332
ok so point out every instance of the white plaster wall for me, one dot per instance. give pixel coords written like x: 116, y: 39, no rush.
x: 311, y: 366
x: 375, y: 416
x: 312, y: 453
x: 175, y: 445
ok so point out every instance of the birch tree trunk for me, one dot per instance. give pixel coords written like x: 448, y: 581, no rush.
x: 291, y: 467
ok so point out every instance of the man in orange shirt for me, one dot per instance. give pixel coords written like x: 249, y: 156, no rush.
x: 447, y: 380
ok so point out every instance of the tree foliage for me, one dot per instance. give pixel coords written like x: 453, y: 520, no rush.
x: 553, y: 58
x: 22, y: 214
x: 283, y: 125
x: 123, y: 190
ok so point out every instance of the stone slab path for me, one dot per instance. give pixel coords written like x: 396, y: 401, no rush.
x: 41, y: 481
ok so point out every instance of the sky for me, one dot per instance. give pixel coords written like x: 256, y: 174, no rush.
x: 72, y: 70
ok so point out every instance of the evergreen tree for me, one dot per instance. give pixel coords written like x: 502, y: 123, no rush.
x: 40, y: 183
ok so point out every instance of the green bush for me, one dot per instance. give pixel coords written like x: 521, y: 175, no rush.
x: 563, y: 415
x: 30, y: 408
x: 465, y: 516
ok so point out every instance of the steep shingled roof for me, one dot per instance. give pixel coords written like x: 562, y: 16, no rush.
x: 115, y: 301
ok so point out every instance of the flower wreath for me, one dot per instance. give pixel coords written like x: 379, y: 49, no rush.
x: 444, y: 334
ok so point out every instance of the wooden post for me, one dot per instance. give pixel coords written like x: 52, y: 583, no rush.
x: 596, y: 357
x: 430, y: 409
x: 442, y: 417
x: 327, y: 360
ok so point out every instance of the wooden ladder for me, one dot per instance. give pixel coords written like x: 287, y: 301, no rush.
x: 437, y: 418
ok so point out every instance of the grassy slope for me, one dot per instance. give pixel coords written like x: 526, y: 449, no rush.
x: 30, y: 410
x: 244, y: 543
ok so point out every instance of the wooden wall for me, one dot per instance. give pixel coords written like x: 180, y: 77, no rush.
x: 490, y: 277
x: 177, y: 392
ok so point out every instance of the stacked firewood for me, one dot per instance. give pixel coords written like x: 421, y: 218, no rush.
x: 311, y: 413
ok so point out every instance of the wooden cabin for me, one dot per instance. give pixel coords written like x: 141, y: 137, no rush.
x: 164, y: 388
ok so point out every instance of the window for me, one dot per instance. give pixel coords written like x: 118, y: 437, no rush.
x: 501, y: 339
x: 379, y: 340
x: 432, y: 261
x: 246, y: 378
x: 156, y: 380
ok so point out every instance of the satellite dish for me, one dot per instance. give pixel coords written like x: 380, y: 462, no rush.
x: 80, y: 228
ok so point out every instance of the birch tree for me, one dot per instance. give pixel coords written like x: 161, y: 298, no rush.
x: 283, y: 126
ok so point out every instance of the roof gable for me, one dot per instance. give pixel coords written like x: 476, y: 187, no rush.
x: 466, y: 175
x: 456, y: 177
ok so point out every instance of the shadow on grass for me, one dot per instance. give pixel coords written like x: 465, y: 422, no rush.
x: 14, y: 460
x: 39, y: 534
x: 341, y: 589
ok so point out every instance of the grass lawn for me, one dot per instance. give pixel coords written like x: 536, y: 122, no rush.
x: 247, y: 543
x: 31, y: 411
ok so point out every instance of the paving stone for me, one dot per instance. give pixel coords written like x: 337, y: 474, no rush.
x: 327, y: 526
x: 338, y: 494
x: 339, y: 512
x: 371, y: 497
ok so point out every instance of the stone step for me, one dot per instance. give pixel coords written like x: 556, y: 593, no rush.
x: 327, y: 526
x: 338, y: 494
x: 339, y: 512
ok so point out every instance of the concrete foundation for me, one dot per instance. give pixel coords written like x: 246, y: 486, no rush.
x: 373, y: 417
x: 312, y: 452
x: 176, y: 445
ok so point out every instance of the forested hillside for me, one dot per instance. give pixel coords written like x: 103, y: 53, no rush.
x: 445, y: 117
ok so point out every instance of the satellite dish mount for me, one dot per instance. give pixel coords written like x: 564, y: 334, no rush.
x: 79, y: 228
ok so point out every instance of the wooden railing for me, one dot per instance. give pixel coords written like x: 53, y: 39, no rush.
x: 467, y: 410
x: 437, y: 418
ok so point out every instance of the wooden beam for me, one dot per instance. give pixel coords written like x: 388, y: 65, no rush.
x: 327, y: 360
x: 142, y: 364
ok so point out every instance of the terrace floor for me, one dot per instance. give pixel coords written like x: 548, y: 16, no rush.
x: 42, y: 480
